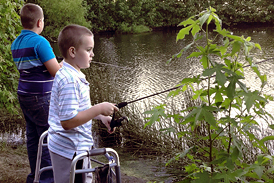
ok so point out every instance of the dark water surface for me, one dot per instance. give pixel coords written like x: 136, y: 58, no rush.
x: 142, y: 69
x: 134, y: 66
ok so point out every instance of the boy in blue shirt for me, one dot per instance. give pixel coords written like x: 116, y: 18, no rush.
x: 71, y: 113
x: 37, y: 65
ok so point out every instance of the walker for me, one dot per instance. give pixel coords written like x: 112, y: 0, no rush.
x: 113, y: 162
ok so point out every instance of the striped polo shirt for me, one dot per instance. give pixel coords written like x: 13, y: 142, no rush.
x: 30, y: 51
x: 70, y: 94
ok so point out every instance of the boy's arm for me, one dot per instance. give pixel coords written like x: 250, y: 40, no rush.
x: 52, y: 66
x: 82, y: 117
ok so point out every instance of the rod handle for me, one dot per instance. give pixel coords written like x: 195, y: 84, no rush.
x: 122, y: 104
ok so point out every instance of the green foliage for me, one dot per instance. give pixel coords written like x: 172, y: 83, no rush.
x: 126, y: 28
x: 61, y: 13
x: 120, y: 15
x: 140, y: 29
x: 225, y: 125
x: 9, y: 29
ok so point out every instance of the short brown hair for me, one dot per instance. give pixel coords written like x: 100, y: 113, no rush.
x: 30, y: 14
x: 70, y: 36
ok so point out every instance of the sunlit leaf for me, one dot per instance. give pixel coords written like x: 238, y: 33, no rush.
x: 196, y: 28
x: 183, y: 32
x: 187, y: 22
x: 218, y: 97
x: 258, y: 46
x: 209, y: 19
x: 195, y: 54
x: 204, y: 18
x: 236, y: 38
x: 204, y: 61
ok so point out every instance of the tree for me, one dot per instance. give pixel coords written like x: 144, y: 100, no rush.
x: 9, y: 28
x: 61, y: 13
x: 224, y: 145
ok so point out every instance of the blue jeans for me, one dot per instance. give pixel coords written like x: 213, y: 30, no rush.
x: 35, y: 109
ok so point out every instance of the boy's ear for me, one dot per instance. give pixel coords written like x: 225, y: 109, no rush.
x: 39, y: 23
x: 71, y: 52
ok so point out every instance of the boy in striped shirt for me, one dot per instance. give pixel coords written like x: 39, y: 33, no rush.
x: 71, y: 113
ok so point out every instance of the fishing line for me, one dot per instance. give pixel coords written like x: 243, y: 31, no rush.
x: 102, y: 63
x: 110, y: 65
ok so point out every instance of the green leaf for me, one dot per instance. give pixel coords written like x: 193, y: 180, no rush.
x: 183, y: 32
x: 235, y: 154
x: 231, y: 88
x: 209, y: 19
x: 271, y: 126
x: 204, y: 61
x: 220, y: 77
x: 187, y: 22
x: 259, y: 171
x: 156, y: 113
x: 209, y: 118
x: 180, y: 155
x: 196, y: 28
x: 204, y: 18
x: 242, y: 86
x: 202, y: 177
x: 167, y: 130
x: 236, y: 38
x: 250, y: 99
x: 218, y: 97
x: 267, y: 139
x: 195, y: 54
x: 258, y: 46
x: 235, y: 48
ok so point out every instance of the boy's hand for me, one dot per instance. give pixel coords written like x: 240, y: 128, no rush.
x: 107, y: 108
x: 106, y: 121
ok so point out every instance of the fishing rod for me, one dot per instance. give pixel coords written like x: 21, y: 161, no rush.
x: 118, y: 122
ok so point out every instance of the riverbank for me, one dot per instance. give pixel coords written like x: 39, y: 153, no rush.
x: 14, y: 166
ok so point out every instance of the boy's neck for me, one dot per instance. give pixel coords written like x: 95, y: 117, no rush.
x: 71, y: 62
x: 37, y: 31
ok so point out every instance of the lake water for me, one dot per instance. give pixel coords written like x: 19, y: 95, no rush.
x: 133, y: 66
x: 138, y: 64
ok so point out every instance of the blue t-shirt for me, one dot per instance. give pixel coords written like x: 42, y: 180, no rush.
x: 30, y: 51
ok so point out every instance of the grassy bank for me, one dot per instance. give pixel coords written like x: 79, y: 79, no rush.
x: 14, y: 166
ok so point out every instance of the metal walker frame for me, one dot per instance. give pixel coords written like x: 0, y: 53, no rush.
x: 113, y: 161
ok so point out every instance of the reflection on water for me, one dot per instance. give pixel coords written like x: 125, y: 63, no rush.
x: 140, y: 67
x: 144, y: 58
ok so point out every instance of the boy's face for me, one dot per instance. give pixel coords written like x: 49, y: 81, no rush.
x: 84, y: 53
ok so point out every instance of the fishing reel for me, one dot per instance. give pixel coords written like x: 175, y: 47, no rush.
x: 117, y: 119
